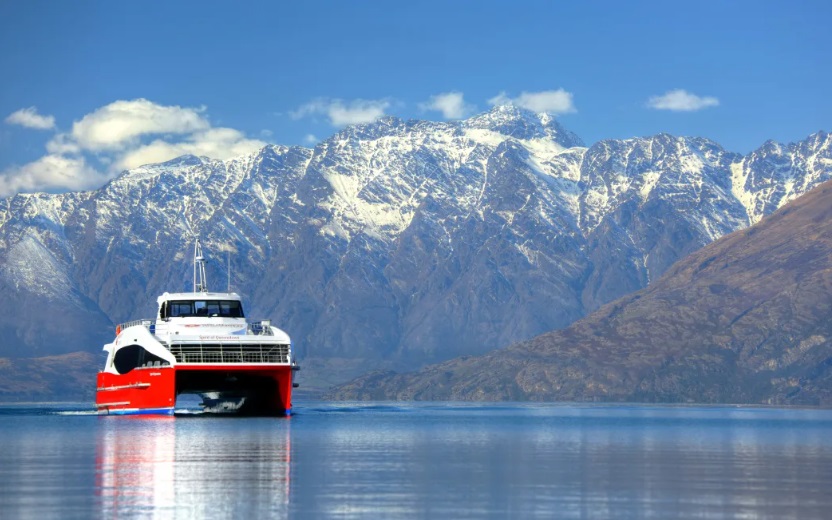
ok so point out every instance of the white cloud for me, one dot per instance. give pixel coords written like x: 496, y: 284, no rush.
x: 311, y: 139
x: 500, y: 99
x: 121, y: 123
x: 30, y: 118
x: 550, y: 101
x: 50, y: 173
x: 341, y: 113
x: 62, y: 144
x: 680, y: 100
x: 451, y: 104
x: 216, y: 143
x: 124, y: 134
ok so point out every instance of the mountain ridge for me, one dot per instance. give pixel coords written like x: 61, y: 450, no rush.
x: 390, y: 244
x: 743, y: 320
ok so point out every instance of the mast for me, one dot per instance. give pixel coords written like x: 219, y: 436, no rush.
x: 200, y: 281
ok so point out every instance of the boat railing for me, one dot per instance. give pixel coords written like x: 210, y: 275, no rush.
x: 254, y: 328
x: 148, y: 324
x: 260, y: 328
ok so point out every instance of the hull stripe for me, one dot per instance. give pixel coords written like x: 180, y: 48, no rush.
x: 123, y: 387
x: 120, y: 403
x: 139, y: 411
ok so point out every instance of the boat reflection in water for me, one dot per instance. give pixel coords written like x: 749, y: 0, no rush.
x: 192, y: 466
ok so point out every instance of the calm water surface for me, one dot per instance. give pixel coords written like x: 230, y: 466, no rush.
x: 419, y: 461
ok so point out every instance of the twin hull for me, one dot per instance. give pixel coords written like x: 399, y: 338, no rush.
x: 248, y: 375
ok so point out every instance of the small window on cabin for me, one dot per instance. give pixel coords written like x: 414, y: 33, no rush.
x: 231, y: 309
x: 181, y: 309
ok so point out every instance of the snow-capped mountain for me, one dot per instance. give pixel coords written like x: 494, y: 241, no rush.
x: 395, y: 243
x: 743, y: 320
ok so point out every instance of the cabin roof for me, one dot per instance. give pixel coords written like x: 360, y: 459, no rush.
x: 198, y: 296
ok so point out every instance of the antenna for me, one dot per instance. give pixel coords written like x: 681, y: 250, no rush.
x: 200, y: 281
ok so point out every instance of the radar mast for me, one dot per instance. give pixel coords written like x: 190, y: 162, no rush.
x: 200, y: 281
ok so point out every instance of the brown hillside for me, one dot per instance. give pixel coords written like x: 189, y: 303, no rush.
x: 68, y: 377
x: 744, y: 320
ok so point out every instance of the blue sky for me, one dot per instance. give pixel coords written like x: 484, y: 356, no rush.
x: 91, y: 87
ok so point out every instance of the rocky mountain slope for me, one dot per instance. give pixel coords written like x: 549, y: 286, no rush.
x: 391, y: 244
x: 745, y: 319
x: 68, y: 377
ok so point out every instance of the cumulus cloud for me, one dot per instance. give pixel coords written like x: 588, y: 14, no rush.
x: 50, y: 173
x: 680, y: 100
x: 123, y: 135
x: 550, y: 101
x: 341, y: 113
x: 311, y: 139
x: 451, y: 104
x: 121, y: 123
x: 30, y: 118
x: 216, y: 143
x: 62, y: 144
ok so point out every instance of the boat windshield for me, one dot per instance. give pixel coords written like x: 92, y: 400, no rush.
x: 212, y: 308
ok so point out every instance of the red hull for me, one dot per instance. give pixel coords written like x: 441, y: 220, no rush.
x: 267, y: 389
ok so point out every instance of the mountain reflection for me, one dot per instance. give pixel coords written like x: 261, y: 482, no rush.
x: 431, y: 460
x: 192, y: 466
x: 563, y: 462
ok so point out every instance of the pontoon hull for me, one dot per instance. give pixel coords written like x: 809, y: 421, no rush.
x: 267, y: 390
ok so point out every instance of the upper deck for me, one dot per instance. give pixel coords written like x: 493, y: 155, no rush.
x: 207, y: 340
x: 200, y: 316
x: 200, y: 328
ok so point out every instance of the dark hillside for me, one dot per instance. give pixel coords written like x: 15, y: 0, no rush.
x: 69, y: 377
x: 744, y: 320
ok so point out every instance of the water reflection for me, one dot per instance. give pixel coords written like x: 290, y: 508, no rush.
x: 433, y: 460
x: 570, y: 462
x: 192, y: 467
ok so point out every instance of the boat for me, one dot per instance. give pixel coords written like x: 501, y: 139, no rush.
x: 199, y: 343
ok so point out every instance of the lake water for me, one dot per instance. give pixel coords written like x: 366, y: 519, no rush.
x: 420, y: 461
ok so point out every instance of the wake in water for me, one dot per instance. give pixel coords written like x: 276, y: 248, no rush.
x: 30, y: 409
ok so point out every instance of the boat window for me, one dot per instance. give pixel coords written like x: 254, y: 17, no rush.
x: 232, y: 309
x: 208, y: 308
x: 179, y: 309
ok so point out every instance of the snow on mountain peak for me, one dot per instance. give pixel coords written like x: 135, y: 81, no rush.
x: 398, y: 237
x: 379, y: 173
x: 520, y: 123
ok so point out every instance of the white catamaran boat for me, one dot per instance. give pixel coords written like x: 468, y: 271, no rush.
x: 199, y: 343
